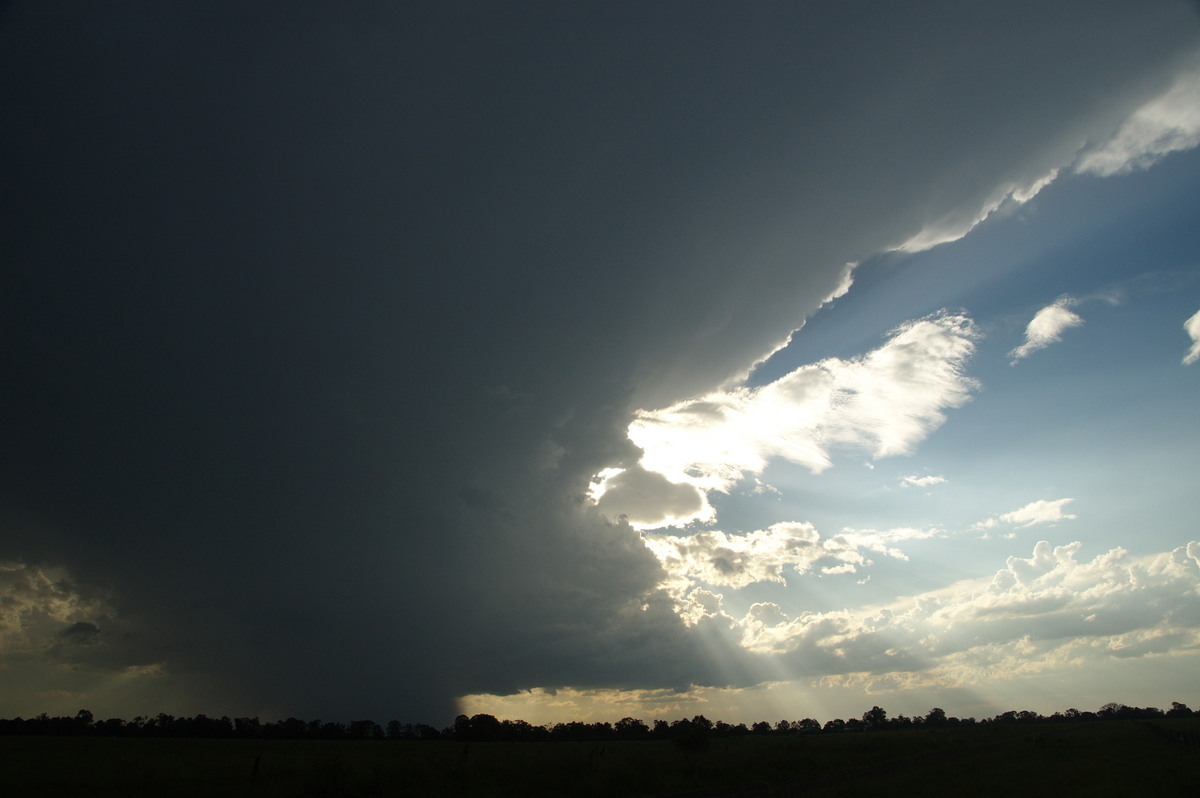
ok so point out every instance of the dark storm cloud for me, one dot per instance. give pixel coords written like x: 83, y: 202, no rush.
x: 318, y: 321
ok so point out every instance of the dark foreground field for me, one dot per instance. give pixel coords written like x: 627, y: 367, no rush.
x: 1110, y: 758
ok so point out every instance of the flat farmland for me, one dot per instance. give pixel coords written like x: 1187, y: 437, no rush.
x: 1107, y: 758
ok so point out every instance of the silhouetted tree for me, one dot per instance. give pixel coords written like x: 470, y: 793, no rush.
x: 631, y: 729
x: 692, y: 735
x: 874, y: 718
x: 1179, y: 710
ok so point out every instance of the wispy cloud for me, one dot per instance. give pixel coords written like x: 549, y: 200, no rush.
x: 1041, y: 511
x: 885, y: 402
x: 915, y: 481
x: 1192, y: 326
x: 955, y: 224
x: 1169, y: 123
x: 1047, y: 327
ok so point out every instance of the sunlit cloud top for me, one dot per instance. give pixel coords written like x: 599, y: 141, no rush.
x: 883, y: 403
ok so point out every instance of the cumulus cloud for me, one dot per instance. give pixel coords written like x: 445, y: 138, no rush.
x: 1044, y: 611
x: 724, y: 559
x: 1192, y: 327
x: 885, y: 402
x: 1166, y: 124
x: 716, y: 558
x: 719, y: 559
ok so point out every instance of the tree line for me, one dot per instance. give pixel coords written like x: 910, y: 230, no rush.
x: 487, y: 728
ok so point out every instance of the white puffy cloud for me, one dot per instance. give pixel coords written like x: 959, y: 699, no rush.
x: 1047, y: 327
x: 1168, y: 123
x: 1192, y: 326
x: 885, y: 402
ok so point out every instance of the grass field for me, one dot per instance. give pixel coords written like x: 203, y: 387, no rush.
x: 1106, y: 758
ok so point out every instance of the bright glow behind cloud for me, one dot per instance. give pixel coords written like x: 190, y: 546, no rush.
x: 885, y: 402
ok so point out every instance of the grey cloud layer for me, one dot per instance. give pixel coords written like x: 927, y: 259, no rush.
x: 324, y: 320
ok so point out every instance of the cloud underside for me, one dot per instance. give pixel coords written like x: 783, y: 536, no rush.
x: 1168, y: 123
x: 884, y: 403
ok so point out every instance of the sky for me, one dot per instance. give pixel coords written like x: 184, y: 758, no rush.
x: 754, y: 360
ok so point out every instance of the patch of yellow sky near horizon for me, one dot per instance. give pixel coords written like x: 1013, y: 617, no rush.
x: 1135, y: 682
